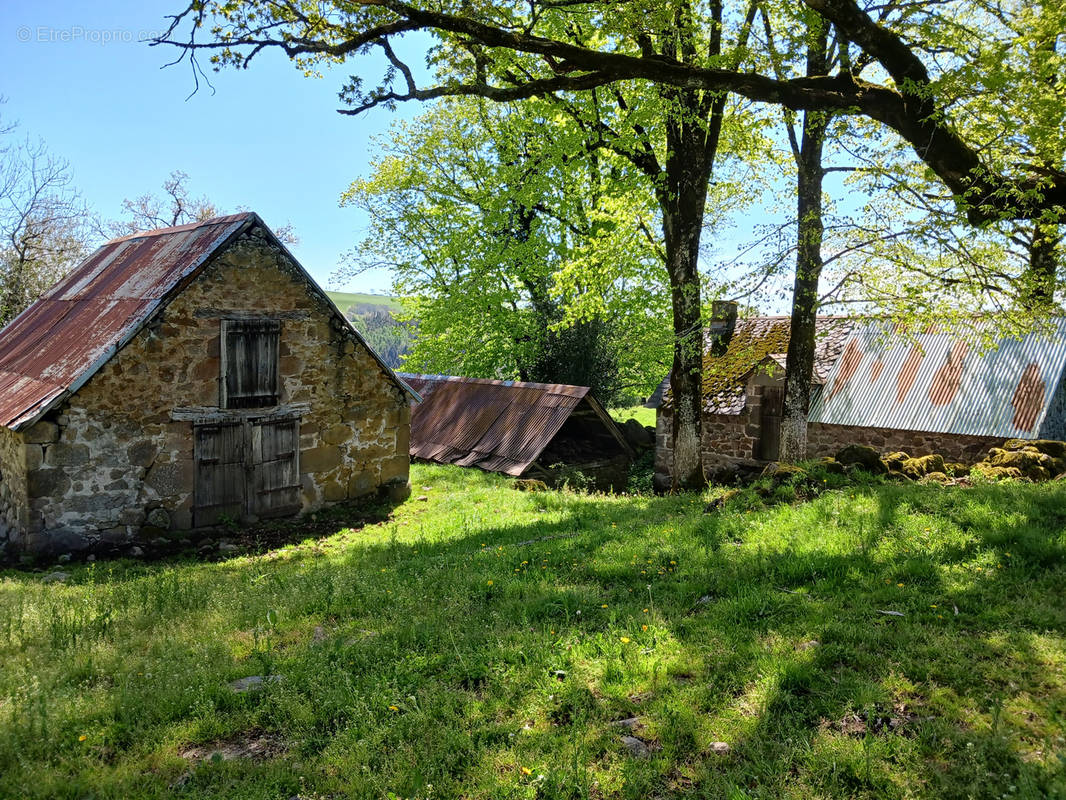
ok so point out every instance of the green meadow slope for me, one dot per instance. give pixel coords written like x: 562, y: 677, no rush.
x: 876, y: 641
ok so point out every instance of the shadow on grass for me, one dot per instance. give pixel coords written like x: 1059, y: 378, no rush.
x: 415, y: 658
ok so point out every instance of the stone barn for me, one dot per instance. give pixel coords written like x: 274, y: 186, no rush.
x: 184, y: 378
x: 551, y: 432
x: 933, y: 392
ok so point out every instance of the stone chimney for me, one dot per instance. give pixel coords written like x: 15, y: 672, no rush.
x: 723, y: 323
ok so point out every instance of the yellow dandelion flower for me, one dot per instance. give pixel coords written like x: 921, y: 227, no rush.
x: 489, y: 583
x: 393, y: 708
x: 645, y: 611
x: 604, y: 606
x: 900, y: 585
x: 625, y: 640
x: 527, y: 771
x: 643, y: 627
x: 82, y: 738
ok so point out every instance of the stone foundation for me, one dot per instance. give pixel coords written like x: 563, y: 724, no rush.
x: 826, y: 440
x: 733, y: 438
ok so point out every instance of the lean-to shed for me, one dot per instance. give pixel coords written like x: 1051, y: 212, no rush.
x: 539, y: 430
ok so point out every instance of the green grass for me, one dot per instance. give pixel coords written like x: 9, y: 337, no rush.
x: 345, y: 299
x: 480, y: 643
x: 645, y: 416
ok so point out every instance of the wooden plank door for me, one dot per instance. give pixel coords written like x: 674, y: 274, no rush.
x: 220, y: 473
x: 771, y: 410
x: 275, y: 488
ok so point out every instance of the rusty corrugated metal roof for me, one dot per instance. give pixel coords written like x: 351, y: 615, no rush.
x: 499, y: 426
x: 940, y: 382
x: 58, y: 343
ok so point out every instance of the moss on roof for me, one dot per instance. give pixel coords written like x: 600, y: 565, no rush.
x: 753, y: 341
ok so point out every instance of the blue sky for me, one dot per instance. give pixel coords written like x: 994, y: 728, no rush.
x: 268, y: 139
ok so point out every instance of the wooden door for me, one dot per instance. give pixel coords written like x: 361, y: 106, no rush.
x: 771, y: 410
x: 275, y: 468
x: 246, y: 470
x: 220, y: 473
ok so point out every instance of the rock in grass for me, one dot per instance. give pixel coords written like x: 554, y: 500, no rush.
x: 894, y: 461
x: 921, y: 466
x: 227, y: 547
x: 780, y: 473
x: 252, y: 683
x: 56, y: 577
x: 718, y: 503
x: 136, y: 552
x: 830, y: 465
x: 630, y: 723
x: 719, y: 748
x: 862, y: 456
x: 637, y: 748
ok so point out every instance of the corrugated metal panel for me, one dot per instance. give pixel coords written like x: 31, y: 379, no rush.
x: 499, y: 426
x: 941, y: 383
x: 80, y: 322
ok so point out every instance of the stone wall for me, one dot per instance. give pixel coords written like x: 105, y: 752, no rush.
x: 735, y: 437
x: 725, y: 437
x: 826, y: 440
x: 13, y: 501
x: 117, y: 458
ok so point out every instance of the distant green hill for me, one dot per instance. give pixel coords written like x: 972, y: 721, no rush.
x: 345, y: 300
x: 372, y: 316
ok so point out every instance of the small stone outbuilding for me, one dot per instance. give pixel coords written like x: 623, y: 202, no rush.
x: 183, y: 378
x: 936, y: 391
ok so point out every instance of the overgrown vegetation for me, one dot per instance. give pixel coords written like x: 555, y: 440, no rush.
x: 880, y: 640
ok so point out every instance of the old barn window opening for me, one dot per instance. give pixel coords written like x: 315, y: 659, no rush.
x: 249, y: 363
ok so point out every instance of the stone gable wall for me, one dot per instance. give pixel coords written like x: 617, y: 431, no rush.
x: 117, y: 462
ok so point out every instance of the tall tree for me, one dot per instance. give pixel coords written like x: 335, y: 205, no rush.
x: 520, y: 255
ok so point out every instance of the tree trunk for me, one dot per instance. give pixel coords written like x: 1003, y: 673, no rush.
x: 1038, y: 286
x: 688, y: 165
x: 799, y: 366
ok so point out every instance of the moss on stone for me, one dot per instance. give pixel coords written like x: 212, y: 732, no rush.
x: 921, y: 466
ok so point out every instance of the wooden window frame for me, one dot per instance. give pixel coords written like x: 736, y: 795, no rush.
x: 245, y: 326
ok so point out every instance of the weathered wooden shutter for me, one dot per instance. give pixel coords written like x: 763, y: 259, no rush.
x: 250, y: 362
x: 275, y: 489
x: 220, y: 473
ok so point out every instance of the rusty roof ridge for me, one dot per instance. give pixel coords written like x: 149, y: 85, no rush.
x: 154, y: 307
x: 232, y: 226
x: 188, y: 226
x: 493, y: 382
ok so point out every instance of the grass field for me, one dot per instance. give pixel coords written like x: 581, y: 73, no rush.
x: 484, y: 643
x: 645, y: 416
x: 345, y: 299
